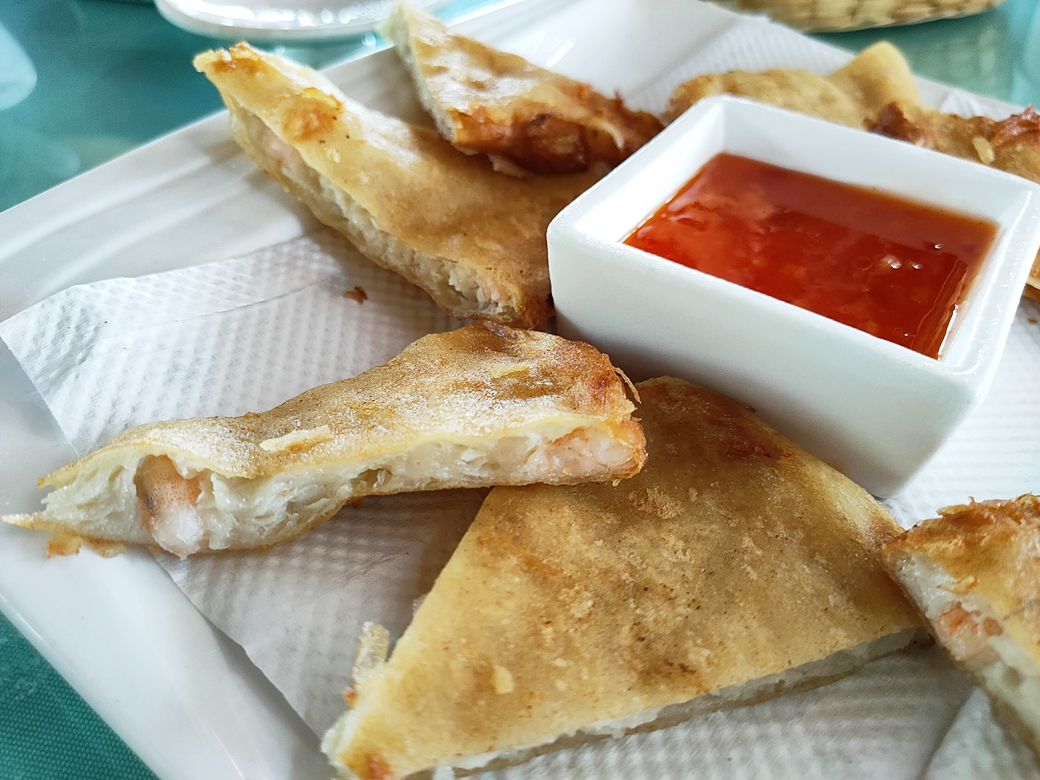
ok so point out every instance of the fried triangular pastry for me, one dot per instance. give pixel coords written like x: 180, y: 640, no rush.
x: 490, y: 102
x: 733, y: 568
x: 850, y: 96
x: 472, y: 238
x: 479, y: 406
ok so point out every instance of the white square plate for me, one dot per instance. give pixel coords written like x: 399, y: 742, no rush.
x: 184, y: 697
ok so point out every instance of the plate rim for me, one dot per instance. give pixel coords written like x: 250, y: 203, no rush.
x: 47, y: 212
x: 213, y: 25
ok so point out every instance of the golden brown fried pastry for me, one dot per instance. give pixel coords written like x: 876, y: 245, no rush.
x: 975, y: 574
x: 850, y: 96
x: 733, y: 568
x: 795, y: 90
x: 482, y: 405
x: 1011, y: 145
x: 472, y: 238
x: 490, y: 102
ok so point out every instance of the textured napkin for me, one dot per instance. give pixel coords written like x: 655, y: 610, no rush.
x: 298, y: 609
x: 230, y: 337
x: 977, y: 747
x: 246, y: 334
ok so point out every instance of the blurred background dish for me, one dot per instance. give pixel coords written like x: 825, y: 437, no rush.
x: 265, y: 20
x: 833, y: 15
x: 971, y: 52
x: 110, y: 76
x: 17, y: 74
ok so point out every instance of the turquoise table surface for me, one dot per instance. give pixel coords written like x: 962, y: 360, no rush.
x: 82, y: 81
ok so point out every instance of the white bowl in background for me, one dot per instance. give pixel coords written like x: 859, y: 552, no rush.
x: 873, y: 409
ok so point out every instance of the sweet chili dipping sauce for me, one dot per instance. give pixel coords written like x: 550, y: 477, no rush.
x: 888, y: 266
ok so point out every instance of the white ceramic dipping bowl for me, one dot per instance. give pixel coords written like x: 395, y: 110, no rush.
x: 875, y: 410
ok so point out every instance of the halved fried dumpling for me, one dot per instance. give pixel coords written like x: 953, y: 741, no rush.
x: 472, y: 238
x: 733, y: 568
x: 483, y: 405
x: 490, y: 102
x: 975, y: 574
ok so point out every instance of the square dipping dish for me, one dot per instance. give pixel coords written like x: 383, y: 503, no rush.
x: 875, y: 410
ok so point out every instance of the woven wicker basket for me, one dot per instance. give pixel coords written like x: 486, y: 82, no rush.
x: 832, y: 15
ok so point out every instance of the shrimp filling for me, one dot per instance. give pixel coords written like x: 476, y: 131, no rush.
x: 168, y: 506
x: 186, y: 508
x: 969, y: 628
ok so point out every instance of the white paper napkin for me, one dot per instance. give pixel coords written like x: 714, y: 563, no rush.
x: 880, y: 723
x: 246, y: 334
x: 976, y: 746
x: 298, y: 609
x: 224, y: 338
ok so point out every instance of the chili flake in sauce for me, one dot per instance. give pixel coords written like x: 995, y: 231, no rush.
x: 886, y: 265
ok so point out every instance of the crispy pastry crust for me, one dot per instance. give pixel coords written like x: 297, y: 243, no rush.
x: 987, y: 554
x: 437, y: 416
x: 472, y: 238
x: 850, y: 96
x: 993, y: 548
x: 732, y: 557
x: 489, y: 102
x: 876, y: 91
x: 1011, y: 145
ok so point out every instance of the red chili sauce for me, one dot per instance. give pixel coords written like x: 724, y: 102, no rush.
x: 888, y: 266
